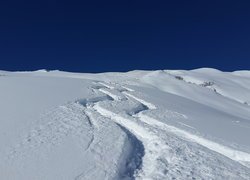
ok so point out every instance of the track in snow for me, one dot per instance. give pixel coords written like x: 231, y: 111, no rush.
x: 155, y: 136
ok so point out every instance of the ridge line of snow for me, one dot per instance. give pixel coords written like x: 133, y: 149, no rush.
x: 147, y: 104
x: 106, y: 85
x: 115, y: 97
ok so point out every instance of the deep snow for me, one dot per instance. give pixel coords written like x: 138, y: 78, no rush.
x: 166, y: 124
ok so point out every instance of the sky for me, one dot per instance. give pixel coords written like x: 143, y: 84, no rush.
x: 101, y: 36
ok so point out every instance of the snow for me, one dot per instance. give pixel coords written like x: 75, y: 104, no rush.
x: 166, y: 124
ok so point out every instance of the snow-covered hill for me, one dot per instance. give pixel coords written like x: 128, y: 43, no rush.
x: 167, y: 124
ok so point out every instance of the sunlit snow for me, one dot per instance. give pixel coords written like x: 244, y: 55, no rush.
x: 166, y: 124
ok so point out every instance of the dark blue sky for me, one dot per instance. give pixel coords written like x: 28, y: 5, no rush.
x: 98, y: 36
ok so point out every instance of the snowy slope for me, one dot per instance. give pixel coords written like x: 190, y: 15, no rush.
x: 167, y: 124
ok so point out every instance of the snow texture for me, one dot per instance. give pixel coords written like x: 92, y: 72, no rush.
x: 167, y: 124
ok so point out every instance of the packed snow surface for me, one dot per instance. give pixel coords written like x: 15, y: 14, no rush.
x: 167, y: 124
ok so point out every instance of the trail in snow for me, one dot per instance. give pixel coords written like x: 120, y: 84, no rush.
x: 158, y: 156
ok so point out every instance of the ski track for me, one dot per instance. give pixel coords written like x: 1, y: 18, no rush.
x: 145, y: 128
x: 157, y: 150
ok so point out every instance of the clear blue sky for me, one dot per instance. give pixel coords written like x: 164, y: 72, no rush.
x: 97, y: 36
